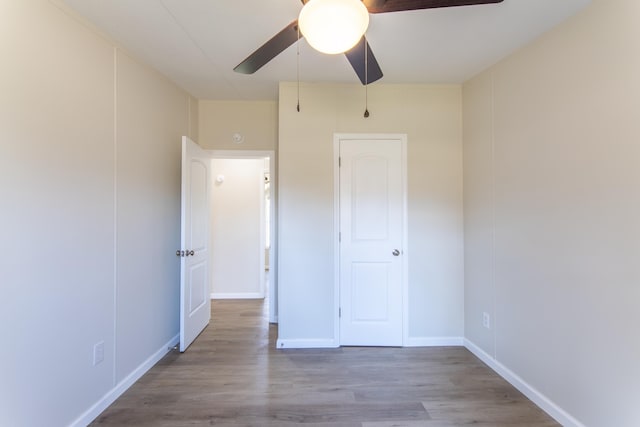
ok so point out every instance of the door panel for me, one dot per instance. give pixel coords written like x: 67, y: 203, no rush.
x: 199, y: 198
x: 371, y: 226
x: 195, y: 304
x: 369, y: 194
x: 197, y: 293
x: 370, y: 292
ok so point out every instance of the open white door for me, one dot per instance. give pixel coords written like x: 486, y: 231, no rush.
x: 195, y: 303
x: 371, y: 247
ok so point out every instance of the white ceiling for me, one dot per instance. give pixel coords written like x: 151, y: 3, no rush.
x: 197, y: 43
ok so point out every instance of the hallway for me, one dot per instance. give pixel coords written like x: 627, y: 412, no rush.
x: 232, y: 375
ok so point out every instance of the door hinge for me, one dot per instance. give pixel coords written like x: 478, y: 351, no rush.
x: 339, y: 236
x: 339, y: 162
x: 339, y: 312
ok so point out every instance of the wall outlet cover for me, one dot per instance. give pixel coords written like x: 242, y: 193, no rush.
x: 486, y: 320
x: 98, y: 353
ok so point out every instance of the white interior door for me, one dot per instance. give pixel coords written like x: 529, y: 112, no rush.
x: 195, y: 304
x: 371, y: 242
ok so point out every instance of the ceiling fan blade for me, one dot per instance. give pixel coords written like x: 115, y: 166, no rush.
x: 360, y: 62
x: 374, y: 4
x: 377, y: 6
x: 272, y: 48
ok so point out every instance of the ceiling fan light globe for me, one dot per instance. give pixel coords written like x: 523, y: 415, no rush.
x: 333, y: 26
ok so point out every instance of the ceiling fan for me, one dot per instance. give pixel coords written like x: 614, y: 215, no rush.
x: 360, y: 56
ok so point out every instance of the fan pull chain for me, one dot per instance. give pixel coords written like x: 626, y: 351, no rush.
x: 366, y: 78
x: 298, y: 66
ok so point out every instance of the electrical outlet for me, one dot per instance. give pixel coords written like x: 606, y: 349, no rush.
x: 486, y: 320
x: 98, y: 353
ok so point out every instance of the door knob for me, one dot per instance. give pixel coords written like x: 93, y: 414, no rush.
x: 190, y: 252
x: 395, y: 252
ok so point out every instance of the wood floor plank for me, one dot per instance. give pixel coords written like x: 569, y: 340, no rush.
x: 233, y: 375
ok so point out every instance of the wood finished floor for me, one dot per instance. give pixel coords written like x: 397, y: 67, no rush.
x: 233, y: 376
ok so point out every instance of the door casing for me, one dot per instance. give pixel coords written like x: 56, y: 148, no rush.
x: 337, y: 138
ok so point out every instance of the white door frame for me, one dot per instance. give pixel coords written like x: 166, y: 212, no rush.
x: 273, y: 276
x: 337, y: 137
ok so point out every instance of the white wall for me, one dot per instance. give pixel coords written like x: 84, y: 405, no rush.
x: 552, y: 215
x: 431, y: 117
x: 89, y: 187
x: 256, y: 121
x: 238, y: 228
x: 148, y: 210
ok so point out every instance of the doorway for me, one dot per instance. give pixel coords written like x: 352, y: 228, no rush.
x: 242, y: 227
x: 371, y: 216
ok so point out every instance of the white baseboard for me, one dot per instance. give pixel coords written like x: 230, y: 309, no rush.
x: 559, y: 414
x: 434, y: 342
x: 307, y: 343
x: 411, y: 342
x: 247, y: 295
x: 93, y: 412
